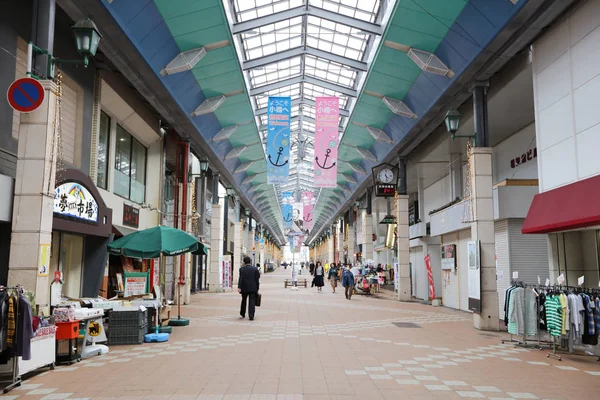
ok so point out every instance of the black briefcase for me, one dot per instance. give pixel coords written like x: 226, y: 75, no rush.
x: 258, y: 299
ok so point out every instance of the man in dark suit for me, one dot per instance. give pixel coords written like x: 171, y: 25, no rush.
x: 248, y: 285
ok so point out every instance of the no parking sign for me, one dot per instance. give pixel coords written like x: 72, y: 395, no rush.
x: 25, y: 95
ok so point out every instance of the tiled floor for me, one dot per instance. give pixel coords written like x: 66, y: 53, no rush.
x: 306, y: 345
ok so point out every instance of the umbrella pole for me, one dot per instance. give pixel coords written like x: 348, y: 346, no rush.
x: 179, y: 321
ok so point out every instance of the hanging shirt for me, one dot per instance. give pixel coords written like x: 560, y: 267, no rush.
x: 565, y: 312
x: 597, y: 314
x: 576, y: 314
x: 23, y: 347
x: 589, y: 315
x: 553, y: 315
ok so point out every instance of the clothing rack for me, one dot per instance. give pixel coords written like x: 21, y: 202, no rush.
x: 16, y: 378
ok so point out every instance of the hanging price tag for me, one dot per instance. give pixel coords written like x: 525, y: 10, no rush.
x: 580, y: 280
x: 547, y: 282
x: 561, y: 279
x: 516, y: 275
x: 539, y: 280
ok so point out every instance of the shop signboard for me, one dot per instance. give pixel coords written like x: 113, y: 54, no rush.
x: 449, y: 257
x: 226, y: 272
x: 430, y: 277
x: 327, y: 116
x: 474, y: 276
x: 131, y: 216
x: 73, y: 200
x: 135, y: 283
x: 278, y: 139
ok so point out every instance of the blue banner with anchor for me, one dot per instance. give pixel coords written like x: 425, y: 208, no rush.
x: 278, y: 139
x: 287, y: 209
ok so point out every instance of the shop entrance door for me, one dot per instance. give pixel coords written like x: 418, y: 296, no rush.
x: 70, y: 262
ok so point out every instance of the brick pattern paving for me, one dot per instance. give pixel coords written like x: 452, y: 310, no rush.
x: 306, y: 345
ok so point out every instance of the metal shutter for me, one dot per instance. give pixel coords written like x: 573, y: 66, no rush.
x: 450, y: 286
x: 20, y: 72
x: 503, y: 273
x: 464, y: 237
x: 421, y: 286
x: 528, y: 253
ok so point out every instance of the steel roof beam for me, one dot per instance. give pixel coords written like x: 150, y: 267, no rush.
x: 364, y: 26
x: 276, y: 85
x: 331, y: 86
x: 307, y: 79
x: 299, y: 51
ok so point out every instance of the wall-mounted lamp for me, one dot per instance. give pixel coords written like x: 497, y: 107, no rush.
x: 230, y: 192
x: 87, y: 39
x: 203, y: 165
x: 452, y: 121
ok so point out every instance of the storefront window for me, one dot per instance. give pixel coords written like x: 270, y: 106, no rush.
x: 103, y: 142
x: 130, y: 167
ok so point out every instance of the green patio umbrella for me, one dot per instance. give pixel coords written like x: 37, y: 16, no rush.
x: 154, y: 242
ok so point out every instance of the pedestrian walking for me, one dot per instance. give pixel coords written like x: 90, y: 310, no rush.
x: 348, y: 282
x: 319, y: 277
x: 248, y: 285
x: 333, y: 276
x: 312, y: 268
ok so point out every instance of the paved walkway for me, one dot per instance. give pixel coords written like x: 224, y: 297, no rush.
x: 308, y: 345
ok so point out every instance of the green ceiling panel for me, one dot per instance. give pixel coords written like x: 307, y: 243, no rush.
x: 216, y: 56
x: 360, y: 136
x: 408, y: 37
x: 422, y: 22
x: 221, y: 83
x: 222, y: 67
x: 372, y: 116
x: 446, y: 9
x: 349, y: 154
x: 196, y: 22
x: 173, y: 8
x: 233, y: 114
x: 239, y: 99
x: 398, y: 67
x: 201, y: 38
x: 256, y: 167
x: 372, y: 101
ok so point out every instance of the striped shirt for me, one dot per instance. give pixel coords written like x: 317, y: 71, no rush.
x: 553, y: 315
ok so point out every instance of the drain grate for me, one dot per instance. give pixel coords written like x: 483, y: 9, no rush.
x: 406, y: 325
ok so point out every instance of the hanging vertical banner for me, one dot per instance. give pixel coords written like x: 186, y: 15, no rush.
x: 278, y: 139
x: 292, y: 243
x: 287, y: 209
x: 298, y: 218
x: 327, y: 115
x: 308, y: 202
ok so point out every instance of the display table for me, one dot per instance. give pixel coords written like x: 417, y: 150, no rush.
x: 42, y: 351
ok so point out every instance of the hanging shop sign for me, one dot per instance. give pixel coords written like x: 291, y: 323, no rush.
x: 73, y: 200
x: 449, y: 257
x: 308, y: 201
x: 474, y: 276
x: 278, y: 139
x: 287, y: 209
x: 327, y: 116
x: 430, y: 277
x: 388, y: 219
x: 25, y: 95
x: 131, y: 216
x: 524, y: 158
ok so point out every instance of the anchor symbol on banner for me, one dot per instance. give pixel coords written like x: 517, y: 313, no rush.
x: 289, y: 216
x: 325, y: 162
x: 276, y: 163
x: 307, y: 216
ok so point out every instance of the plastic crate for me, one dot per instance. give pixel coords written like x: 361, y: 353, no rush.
x: 127, y: 335
x: 124, y: 319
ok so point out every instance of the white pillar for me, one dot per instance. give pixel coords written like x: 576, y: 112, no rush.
x: 367, y: 249
x: 34, y: 197
x: 404, y: 284
x: 351, y: 242
x: 482, y: 229
x: 216, y: 249
x: 237, y: 250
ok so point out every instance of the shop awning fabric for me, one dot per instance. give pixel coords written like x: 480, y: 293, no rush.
x: 569, y: 207
x: 152, y: 242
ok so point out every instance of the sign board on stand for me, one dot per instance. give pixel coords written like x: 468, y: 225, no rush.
x: 135, y: 283
x: 474, y: 276
x: 25, y: 95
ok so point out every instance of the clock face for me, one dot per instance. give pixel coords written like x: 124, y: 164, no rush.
x: 386, y: 175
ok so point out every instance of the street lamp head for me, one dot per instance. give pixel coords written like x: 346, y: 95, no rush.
x: 452, y: 120
x: 230, y: 192
x: 203, y: 165
x: 87, y: 37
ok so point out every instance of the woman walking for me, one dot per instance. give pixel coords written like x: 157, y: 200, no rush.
x: 333, y: 276
x: 319, y: 276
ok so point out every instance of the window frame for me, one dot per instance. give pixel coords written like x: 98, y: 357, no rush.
x: 107, y: 157
x: 132, y: 139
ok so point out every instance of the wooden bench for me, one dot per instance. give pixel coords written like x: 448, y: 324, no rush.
x: 303, y: 282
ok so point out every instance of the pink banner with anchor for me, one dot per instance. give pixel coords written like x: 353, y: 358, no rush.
x: 327, y: 116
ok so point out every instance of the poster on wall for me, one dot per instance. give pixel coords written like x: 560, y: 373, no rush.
x: 44, y: 260
x: 278, y: 139
x: 449, y: 257
x: 327, y: 115
x: 474, y: 276
x: 226, y: 272
x: 430, y: 277
x: 396, y: 267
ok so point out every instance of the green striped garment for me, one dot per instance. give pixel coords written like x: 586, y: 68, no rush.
x: 553, y: 315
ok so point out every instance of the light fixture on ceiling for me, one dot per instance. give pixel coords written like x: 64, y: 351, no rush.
x: 184, y: 61
x: 429, y: 62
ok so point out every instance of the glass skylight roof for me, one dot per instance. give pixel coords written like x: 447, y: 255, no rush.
x: 314, y: 51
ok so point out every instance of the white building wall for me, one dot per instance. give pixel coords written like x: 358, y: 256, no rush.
x: 511, y: 148
x: 437, y: 195
x: 566, y: 73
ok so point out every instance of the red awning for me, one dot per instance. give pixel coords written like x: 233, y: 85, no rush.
x: 569, y: 207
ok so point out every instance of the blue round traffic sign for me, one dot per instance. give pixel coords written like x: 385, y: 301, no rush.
x: 25, y: 95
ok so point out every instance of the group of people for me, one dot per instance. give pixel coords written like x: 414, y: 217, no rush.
x: 335, y: 273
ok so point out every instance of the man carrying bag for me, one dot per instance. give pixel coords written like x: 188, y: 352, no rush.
x: 248, y: 285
